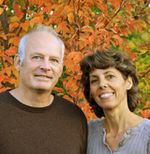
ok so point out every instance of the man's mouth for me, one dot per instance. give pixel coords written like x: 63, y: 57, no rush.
x: 44, y: 76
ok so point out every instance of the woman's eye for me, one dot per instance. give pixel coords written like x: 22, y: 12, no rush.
x: 110, y: 76
x: 93, y: 81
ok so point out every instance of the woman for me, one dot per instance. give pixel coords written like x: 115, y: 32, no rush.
x: 110, y: 86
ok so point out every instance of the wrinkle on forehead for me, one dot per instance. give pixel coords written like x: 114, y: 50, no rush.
x: 40, y: 41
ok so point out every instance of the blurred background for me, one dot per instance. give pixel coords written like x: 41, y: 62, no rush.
x: 84, y: 25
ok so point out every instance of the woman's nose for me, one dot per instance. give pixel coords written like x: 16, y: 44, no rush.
x: 103, y: 84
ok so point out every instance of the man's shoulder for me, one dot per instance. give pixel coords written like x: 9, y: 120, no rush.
x: 67, y: 105
x: 4, y: 95
x: 5, y: 98
x: 63, y: 101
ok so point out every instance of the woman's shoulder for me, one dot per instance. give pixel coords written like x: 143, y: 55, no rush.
x: 146, y: 126
x: 95, y: 129
x: 95, y: 124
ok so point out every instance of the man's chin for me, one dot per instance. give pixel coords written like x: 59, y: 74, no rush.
x: 42, y: 89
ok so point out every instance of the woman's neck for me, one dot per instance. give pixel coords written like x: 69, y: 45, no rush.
x: 119, y: 123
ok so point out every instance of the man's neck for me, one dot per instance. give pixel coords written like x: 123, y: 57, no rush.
x: 35, y: 98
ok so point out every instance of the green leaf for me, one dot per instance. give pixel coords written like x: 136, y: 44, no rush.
x: 96, y: 10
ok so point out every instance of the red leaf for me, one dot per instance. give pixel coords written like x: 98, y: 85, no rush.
x: 145, y: 113
x: 11, y: 51
x: 18, y: 12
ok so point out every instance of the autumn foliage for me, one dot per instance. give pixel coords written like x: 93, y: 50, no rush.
x: 84, y: 25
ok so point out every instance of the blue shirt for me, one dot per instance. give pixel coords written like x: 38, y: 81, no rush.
x: 135, y: 141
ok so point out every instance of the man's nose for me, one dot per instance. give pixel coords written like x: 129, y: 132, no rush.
x: 45, y: 65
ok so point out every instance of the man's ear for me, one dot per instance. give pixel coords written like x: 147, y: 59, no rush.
x: 17, y: 62
x: 61, y: 71
x: 129, y: 83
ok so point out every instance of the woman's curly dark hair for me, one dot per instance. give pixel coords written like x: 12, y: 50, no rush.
x: 105, y: 59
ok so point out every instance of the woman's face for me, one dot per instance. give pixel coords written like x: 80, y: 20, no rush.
x: 108, y: 88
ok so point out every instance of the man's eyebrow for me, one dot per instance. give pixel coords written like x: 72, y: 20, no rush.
x: 36, y: 53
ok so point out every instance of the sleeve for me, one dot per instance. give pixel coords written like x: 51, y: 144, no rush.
x: 147, y: 131
x: 148, y: 148
x: 85, y: 135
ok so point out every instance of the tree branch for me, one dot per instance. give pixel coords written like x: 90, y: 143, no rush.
x: 115, y: 14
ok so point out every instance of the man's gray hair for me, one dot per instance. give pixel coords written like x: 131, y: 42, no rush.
x: 38, y: 28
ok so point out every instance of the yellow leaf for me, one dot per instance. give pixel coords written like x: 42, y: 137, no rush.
x: 14, y: 41
x: 3, y: 36
x: 25, y: 26
x: 71, y: 17
x: 1, y: 10
x: 14, y: 19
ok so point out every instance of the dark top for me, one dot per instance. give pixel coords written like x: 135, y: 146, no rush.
x: 60, y: 128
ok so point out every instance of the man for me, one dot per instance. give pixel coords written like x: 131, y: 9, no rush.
x: 32, y: 119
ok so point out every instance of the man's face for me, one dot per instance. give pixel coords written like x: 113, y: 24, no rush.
x: 42, y: 64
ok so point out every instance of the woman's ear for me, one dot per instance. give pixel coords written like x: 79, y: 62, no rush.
x: 129, y: 83
x: 17, y: 62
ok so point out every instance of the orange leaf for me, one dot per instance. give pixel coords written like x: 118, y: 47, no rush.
x: 1, y: 78
x: 115, y: 4
x: 132, y: 54
x: 147, y: 104
x: 145, y: 113
x: 12, y: 81
x: 58, y: 89
x: 70, y: 84
x: 7, y: 71
x: 1, y: 54
x: 74, y: 56
x: 68, y: 98
x: 4, y: 89
x: 1, y: 2
x: 117, y: 40
x: 6, y: 78
x: 11, y: 51
x: 37, y: 2
x: 70, y: 17
x: 36, y: 20
x: 8, y: 59
x: 12, y: 26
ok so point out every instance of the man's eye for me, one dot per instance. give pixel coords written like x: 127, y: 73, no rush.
x: 54, y: 60
x: 37, y: 57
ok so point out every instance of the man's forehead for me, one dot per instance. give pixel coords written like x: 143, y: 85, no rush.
x: 39, y: 34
